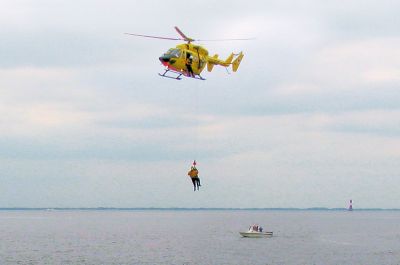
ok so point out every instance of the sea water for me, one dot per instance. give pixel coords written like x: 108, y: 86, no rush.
x: 197, y: 237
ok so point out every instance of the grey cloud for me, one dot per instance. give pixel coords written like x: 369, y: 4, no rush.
x: 58, y: 48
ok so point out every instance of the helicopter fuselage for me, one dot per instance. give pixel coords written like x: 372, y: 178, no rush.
x: 183, y: 56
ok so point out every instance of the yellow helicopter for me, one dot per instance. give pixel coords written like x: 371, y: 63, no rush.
x: 190, y: 60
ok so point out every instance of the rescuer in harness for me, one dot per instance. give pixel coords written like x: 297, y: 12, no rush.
x: 194, y: 175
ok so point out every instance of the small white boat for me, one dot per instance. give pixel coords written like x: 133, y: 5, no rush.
x: 256, y: 231
x: 255, y: 234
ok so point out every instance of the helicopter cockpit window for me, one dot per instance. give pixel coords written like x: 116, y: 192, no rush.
x: 174, y: 52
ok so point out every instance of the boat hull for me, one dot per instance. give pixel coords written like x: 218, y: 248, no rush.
x: 256, y: 234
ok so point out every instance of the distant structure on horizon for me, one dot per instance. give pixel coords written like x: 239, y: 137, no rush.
x: 351, y: 205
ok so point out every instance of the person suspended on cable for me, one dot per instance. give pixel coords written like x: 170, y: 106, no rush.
x: 194, y: 175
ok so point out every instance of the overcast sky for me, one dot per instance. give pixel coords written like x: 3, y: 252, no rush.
x: 311, y: 118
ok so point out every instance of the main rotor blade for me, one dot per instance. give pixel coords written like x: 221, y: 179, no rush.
x: 183, y: 35
x: 154, y: 37
x: 228, y: 39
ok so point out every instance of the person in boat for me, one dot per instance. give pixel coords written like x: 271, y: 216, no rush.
x: 194, y: 175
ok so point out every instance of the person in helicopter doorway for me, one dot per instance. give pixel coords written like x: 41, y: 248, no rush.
x: 189, y: 61
x: 194, y: 175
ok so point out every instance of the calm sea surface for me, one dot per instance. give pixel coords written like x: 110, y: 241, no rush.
x: 198, y: 237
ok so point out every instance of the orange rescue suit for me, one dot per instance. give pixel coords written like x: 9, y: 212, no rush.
x: 193, y: 173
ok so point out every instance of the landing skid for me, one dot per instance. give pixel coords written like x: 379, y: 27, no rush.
x: 198, y: 77
x: 178, y: 75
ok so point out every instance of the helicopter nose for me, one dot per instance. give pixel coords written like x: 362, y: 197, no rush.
x: 164, y: 59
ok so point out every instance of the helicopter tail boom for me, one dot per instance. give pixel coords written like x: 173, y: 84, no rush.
x: 235, y: 64
x: 211, y: 62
